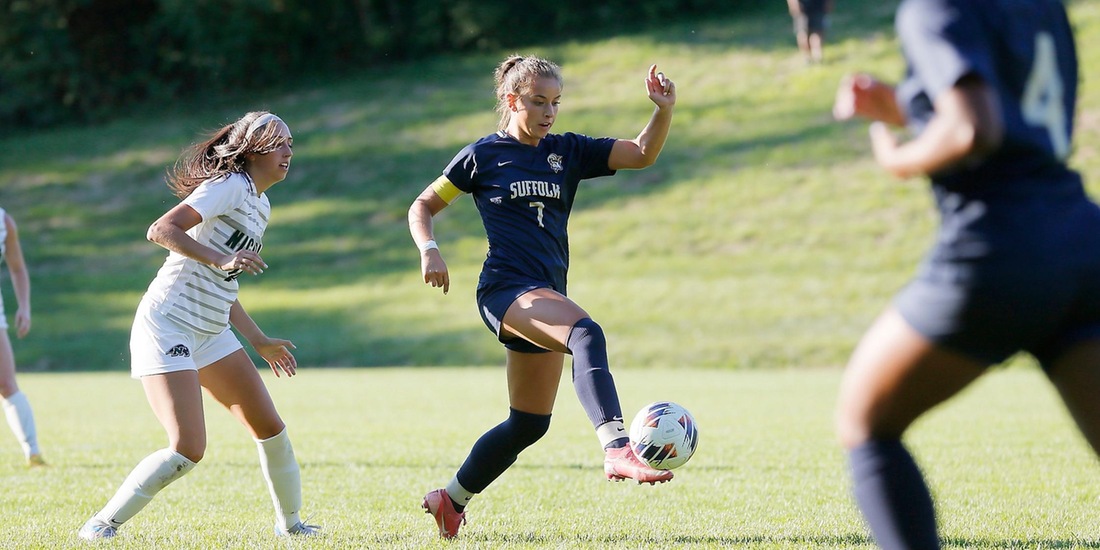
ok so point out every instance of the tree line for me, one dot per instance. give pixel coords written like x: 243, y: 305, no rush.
x: 82, y: 60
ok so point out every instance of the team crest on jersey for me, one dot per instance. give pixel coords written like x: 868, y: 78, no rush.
x: 495, y: 200
x: 555, y: 162
x: 178, y: 350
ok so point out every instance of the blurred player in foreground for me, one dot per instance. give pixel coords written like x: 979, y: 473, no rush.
x: 989, y: 96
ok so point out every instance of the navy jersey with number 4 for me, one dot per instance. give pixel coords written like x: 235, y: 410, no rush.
x: 1016, y: 260
x: 1023, y: 50
x: 525, y: 194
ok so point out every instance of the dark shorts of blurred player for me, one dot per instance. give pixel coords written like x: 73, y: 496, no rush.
x: 1010, y: 276
x: 812, y: 17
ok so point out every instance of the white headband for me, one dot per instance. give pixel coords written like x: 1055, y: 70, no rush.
x: 261, y: 121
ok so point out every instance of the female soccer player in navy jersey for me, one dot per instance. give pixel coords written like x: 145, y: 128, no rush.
x: 523, y: 179
x: 989, y: 93
x: 181, y: 340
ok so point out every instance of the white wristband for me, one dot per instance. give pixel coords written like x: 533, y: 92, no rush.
x: 428, y: 246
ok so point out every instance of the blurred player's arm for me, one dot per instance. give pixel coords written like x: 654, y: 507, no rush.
x: 433, y: 199
x: 967, y: 126
x: 862, y: 95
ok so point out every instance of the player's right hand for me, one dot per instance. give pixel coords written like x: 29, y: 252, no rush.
x: 22, y: 322
x: 434, y: 269
x: 247, y: 261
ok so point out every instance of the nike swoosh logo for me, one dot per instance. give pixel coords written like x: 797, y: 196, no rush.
x: 503, y: 163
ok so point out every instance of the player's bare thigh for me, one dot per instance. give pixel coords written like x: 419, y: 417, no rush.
x: 8, y: 385
x: 894, y: 376
x: 235, y: 383
x: 533, y: 380
x: 176, y: 400
x: 543, y: 317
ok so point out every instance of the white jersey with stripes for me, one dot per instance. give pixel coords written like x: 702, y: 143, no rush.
x: 196, y: 295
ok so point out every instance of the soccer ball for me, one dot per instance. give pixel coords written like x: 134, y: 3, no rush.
x: 663, y: 435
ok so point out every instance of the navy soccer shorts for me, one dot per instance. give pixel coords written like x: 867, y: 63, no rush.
x: 493, y: 300
x: 1010, y: 275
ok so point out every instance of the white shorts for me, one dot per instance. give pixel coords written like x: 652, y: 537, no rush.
x: 3, y: 316
x: 159, y: 345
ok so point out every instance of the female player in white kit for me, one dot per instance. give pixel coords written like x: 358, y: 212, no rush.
x: 181, y: 341
x: 16, y: 407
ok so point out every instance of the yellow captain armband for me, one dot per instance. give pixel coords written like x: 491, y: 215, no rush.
x: 445, y: 189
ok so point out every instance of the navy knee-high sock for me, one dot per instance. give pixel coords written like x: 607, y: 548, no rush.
x: 591, y: 375
x: 499, y: 447
x: 893, y: 497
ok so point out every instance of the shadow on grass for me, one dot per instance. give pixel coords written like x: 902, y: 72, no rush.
x: 1002, y: 544
x: 641, y: 541
x: 798, y: 541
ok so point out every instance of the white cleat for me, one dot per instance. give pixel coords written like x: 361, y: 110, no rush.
x: 298, y: 530
x: 95, y: 529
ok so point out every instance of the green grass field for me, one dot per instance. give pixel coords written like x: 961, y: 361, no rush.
x: 734, y: 276
x: 1003, y: 460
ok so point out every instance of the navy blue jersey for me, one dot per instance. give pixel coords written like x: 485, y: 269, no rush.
x: 1023, y: 50
x: 525, y: 195
x: 1016, y: 260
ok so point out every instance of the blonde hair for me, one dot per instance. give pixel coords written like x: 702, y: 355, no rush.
x: 517, y: 75
x: 224, y: 150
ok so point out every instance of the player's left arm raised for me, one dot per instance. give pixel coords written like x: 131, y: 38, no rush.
x: 643, y: 150
x: 276, y: 351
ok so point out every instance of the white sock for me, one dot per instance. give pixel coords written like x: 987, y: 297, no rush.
x: 610, y: 431
x: 284, y: 478
x: 458, y: 493
x: 21, y: 420
x: 152, y: 474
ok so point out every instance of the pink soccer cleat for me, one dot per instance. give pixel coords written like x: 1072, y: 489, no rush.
x: 438, y: 503
x: 621, y: 463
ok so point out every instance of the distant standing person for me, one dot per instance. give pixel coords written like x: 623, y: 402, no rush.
x: 181, y: 340
x: 810, y: 20
x: 16, y: 407
x: 990, y: 94
x: 523, y: 180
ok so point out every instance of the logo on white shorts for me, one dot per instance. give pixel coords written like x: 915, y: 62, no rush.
x: 178, y: 350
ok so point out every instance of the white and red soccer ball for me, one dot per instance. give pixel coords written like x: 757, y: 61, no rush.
x: 663, y: 435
